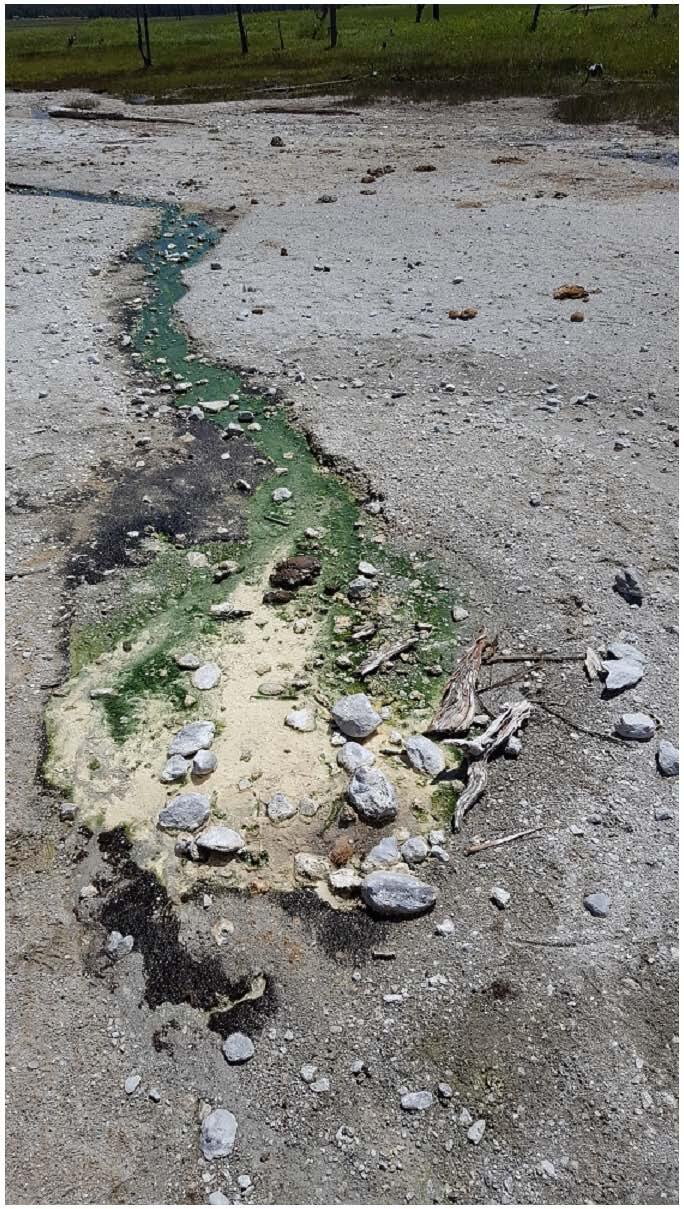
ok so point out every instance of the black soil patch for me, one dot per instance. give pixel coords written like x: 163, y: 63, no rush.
x: 344, y: 935
x: 187, y: 489
x: 136, y: 904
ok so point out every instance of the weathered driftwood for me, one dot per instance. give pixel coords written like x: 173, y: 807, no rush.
x: 481, y: 845
x: 478, y: 752
x: 497, y: 733
x: 593, y: 663
x: 385, y: 654
x: 459, y: 704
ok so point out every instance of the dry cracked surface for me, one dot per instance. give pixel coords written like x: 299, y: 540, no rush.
x: 534, y: 457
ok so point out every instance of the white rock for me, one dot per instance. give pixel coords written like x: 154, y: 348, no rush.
x: 218, y: 1134
x: 309, y: 867
x: 446, y: 928
x: 415, y: 850
x: 476, y: 1132
x: 353, y: 755
x: 308, y: 1072
x: 191, y: 738
x: 345, y: 882
x: 220, y: 839
x: 207, y: 676
x: 355, y: 717
x: 424, y: 755
x: 499, y: 897
x: 301, y: 719
x: 237, y: 1048
x: 383, y: 855
x: 281, y: 495
x: 280, y: 808
x: 416, y: 1101
x: 175, y: 769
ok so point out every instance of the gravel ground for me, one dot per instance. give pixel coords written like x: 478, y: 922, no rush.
x: 556, y: 1029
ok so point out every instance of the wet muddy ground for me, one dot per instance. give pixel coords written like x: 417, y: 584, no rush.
x: 554, y: 1028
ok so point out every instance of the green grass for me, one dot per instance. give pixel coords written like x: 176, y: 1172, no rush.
x: 474, y: 50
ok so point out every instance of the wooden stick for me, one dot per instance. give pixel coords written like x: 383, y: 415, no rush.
x: 504, y: 839
x: 458, y: 705
x: 385, y: 654
x: 539, y: 657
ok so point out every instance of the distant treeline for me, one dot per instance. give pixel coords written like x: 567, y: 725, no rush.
x: 84, y: 12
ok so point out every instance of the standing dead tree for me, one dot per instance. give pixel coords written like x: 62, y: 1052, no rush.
x: 244, y: 46
x: 333, y: 26
x: 142, y: 26
x: 535, y: 16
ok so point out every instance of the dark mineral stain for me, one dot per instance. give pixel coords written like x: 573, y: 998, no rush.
x: 345, y: 935
x: 137, y: 904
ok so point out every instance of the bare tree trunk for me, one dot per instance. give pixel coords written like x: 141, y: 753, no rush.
x: 419, y: 12
x: 654, y: 11
x: 280, y: 35
x: 333, y: 26
x: 435, y: 12
x: 144, y: 49
x: 241, y: 26
x: 535, y: 16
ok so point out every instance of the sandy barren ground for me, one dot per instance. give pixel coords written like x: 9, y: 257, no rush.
x: 557, y: 1029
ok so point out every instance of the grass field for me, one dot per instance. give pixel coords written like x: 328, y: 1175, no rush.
x: 473, y: 50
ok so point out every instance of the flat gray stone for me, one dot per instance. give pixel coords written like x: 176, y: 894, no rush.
x: 424, y: 755
x: 372, y: 795
x: 118, y: 946
x: 237, y: 1049
x: 308, y: 808
x: 220, y: 839
x: 360, y: 588
x: 132, y: 1084
x: 175, y: 769
x: 624, y: 650
x: 416, y: 1101
x: 218, y: 1198
x: 191, y: 738
x: 383, y: 855
x: 280, y: 808
x: 204, y: 762
x: 186, y: 812
x: 207, y: 676
x: 597, y: 904
x: 308, y: 1072
x: 622, y: 674
x: 458, y: 613
x: 667, y: 757
x: 397, y: 895
x: 635, y: 726
x: 188, y: 662
x: 415, y: 850
x: 218, y: 1134
x: 500, y: 897
x: 476, y: 1132
x: 355, y: 717
x: 281, y: 495
x: 353, y: 755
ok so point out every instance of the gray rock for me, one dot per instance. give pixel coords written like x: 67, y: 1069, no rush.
x: 476, y: 1132
x: 667, y: 757
x: 662, y: 813
x: 353, y: 755
x: 310, y: 867
x: 175, y: 769
x: 118, y: 946
x: 624, y: 650
x: 622, y: 674
x: 628, y: 587
x: 154, y: 1095
x: 207, y: 676
x: 597, y: 904
x: 301, y: 719
x: 220, y: 839
x: 416, y: 1101
x: 499, y: 897
x: 360, y: 588
x: 383, y: 855
x: 424, y: 755
x: 397, y: 895
x: 68, y: 811
x: 191, y: 738
x: 132, y: 1084
x: 367, y: 569
x: 635, y: 726
x: 308, y: 808
x: 244, y: 1182
x: 188, y: 662
x: 445, y: 1091
x: 237, y: 1048
x: 280, y: 808
x: 281, y: 495
x: 464, y: 1117
x: 355, y: 716
x: 218, y: 1134
x: 187, y: 849
x: 458, y: 613
x: 372, y: 795
x: 204, y: 762
x: 415, y: 850
x: 186, y: 812
x: 308, y: 1072
x: 218, y: 1198
x: 320, y: 1085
